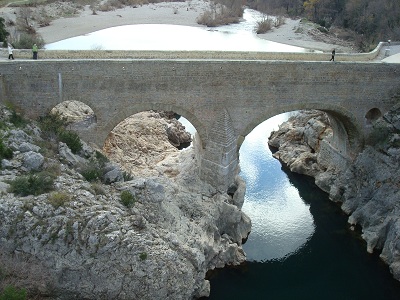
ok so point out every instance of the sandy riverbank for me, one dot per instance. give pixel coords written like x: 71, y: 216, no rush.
x: 294, y: 32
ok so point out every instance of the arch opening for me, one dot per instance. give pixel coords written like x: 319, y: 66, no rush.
x: 348, y: 138
x: 281, y: 221
x: 149, y: 143
x: 372, y: 115
x: 77, y: 114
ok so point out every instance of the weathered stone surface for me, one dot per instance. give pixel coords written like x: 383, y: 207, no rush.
x: 26, y: 147
x: 91, y: 246
x: 67, y: 154
x: 368, y: 189
x: 298, y: 141
x: 114, y: 174
x: 32, y: 161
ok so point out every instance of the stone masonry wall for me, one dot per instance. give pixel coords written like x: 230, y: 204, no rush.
x: 249, y: 91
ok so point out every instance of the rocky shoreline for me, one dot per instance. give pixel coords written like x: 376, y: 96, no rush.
x: 80, y: 241
x: 368, y: 189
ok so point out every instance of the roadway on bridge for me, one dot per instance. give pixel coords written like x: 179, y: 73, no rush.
x: 387, y: 54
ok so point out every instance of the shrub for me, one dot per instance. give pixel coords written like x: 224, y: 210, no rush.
x: 12, y: 293
x: 26, y: 41
x: 101, y: 158
x: 71, y: 139
x: 96, y: 167
x: 58, y: 199
x: 127, y: 199
x: 52, y: 125
x: 5, y: 152
x: 91, y: 173
x: 33, y: 184
x: 17, y: 119
x: 127, y: 176
x: 264, y: 25
x: 98, y: 189
x: 143, y: 256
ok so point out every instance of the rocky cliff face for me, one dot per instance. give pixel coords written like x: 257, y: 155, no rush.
x: 80, y: 241
x: 369, y: 189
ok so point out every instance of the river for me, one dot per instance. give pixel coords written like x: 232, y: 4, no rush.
x: 301, y: 246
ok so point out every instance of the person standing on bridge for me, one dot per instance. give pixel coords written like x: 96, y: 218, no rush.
x: 10, y: 51
x: 333, y: 55
x: 35, y: 51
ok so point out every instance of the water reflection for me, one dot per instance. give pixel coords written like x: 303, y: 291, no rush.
x: 282, y: 222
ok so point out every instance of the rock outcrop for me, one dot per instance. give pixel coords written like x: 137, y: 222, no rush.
x: 80, y: 241
x: 298, y: 142
x: 369, y: 189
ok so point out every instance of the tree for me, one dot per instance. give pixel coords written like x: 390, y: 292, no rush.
x: 3, y: 33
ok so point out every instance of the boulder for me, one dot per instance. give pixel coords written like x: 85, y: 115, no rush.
x: 32, y: 161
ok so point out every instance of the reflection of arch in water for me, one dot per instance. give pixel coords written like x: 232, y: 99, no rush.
x: 78, y: 114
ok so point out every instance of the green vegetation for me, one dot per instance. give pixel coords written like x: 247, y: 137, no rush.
x: 72, y: 140
x: 5, y: 152
x: 127, y: 176
x: 92, y: 172
x: 32, y: 184
x: 12, y: 293
x: 53, y: 126
x: 96, y: 168
x: 3, y: 33
x: 143, y: 256
x: 58, y: 199
x: 25, y: 41
x: 17, y: 120
x: 127, y: 199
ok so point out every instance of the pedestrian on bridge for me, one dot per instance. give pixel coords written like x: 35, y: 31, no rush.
x: 10, y: 51
x: 35, y: 51
x: 333, y: 55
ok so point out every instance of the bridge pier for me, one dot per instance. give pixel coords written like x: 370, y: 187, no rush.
x: 219, y: 161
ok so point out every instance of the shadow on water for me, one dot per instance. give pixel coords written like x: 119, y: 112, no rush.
x: 333, y: 264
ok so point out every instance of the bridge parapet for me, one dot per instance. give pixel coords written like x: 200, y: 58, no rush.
x: 224, y: 55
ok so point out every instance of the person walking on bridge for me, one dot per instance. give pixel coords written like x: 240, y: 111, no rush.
x: 333, y: 55
x: 10, y: 51
x: 34, y: 51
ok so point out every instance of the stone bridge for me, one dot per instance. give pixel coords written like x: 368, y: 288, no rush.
x: 223, y: 98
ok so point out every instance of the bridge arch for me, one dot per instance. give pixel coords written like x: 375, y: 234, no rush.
x: 134, y: 108
x: 348, y: 136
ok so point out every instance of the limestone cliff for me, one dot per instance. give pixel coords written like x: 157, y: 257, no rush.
x: 369, y: 189
x: 81, y: 241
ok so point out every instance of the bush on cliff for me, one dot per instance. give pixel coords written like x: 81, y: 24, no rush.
x: 96, y: 167
x: 53, y: 126
x: 58, y: 199
x: 5, y: 152
x: 72, y: 140
x: 127, y: 199
x: 32, y: 184
x: 12, y: 293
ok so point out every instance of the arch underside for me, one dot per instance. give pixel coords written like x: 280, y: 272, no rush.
x: 348, y: 136
x: 105, y: 125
